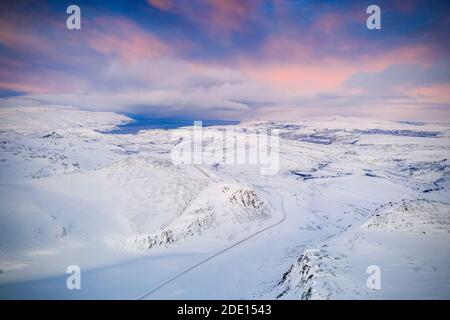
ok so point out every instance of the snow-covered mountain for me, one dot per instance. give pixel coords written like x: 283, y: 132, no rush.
x: 349, y: 193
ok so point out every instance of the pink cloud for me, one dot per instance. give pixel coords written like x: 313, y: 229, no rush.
x: 217, y: 17
x: 164, y: 5
x: 436, y: 93
x: 289, y: 63
x: 328, y: 23
x: 301, y: 79
x: 404, y: 6
x: 308, y: 75
x: 126, y: 40
x: 230, y: 15
x: 21, y: 36
x: 49, y: 81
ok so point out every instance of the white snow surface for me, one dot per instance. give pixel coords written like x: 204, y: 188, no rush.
x: 349, y: 193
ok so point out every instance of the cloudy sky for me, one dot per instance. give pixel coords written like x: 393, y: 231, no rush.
x: 229, y: 59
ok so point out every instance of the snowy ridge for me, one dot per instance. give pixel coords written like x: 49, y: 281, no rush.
x: 42, y: 119
x: 229, y: 209
x: 414, y: 216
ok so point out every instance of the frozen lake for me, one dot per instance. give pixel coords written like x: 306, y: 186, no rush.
x: 143, y: 123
